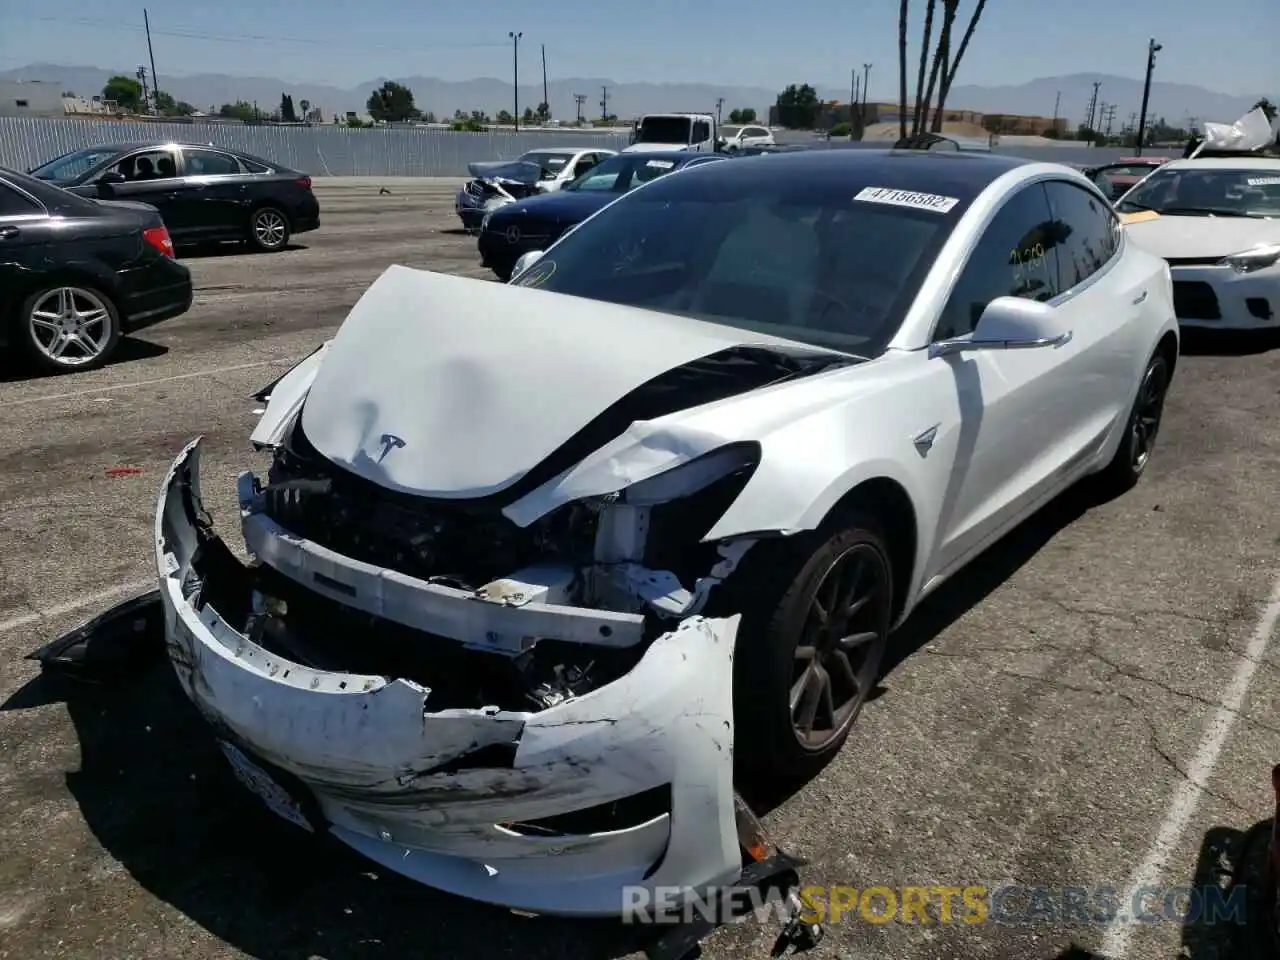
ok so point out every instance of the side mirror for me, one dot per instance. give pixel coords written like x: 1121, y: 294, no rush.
x: 108, y: 180
x: 525, y: 261
x: 1010, y: 323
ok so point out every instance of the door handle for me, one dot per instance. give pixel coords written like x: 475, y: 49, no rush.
x: 8, y: 233
x: 1140, y: 298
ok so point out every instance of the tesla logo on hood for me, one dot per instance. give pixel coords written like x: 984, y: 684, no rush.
x: 389, y: 442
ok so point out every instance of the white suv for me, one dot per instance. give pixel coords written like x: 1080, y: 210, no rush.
x: 736, y: 137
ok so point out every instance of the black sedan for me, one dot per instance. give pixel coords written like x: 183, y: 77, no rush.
x: 204, y: 193
x: 75, y: 273
x: 537, y: 222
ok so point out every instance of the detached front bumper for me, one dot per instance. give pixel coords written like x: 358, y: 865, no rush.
x: 406, y: 786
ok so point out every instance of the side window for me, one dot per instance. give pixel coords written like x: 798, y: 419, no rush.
x: 148, y: 165
x: 583, y: 165
x: 15, y: 204
x: 208, y: 163
x: 1013, y: 258
x: 701, y: 131
x: 252, y: 166
x: 1086, y: 230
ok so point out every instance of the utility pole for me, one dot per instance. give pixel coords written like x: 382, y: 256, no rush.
x: 1111, y: 115
x: 579, y: 99
x: 155, y: 84
x: 545, y: 96
x: 1057, y: 103
x: 719, y: 111
x: 1152, y: 49
x: 1093, y: 105
x: 515, y: 75
x: 866, y: 78
x: 604, y: 103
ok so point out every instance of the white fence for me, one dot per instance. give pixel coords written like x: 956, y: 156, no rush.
x: 329, y: 150
x: 323, y: 150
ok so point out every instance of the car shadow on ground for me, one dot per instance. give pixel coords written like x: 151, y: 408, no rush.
x: 162, y: 801
x: 459, y: 232
x: 209, y: 251
x: 15, y: 369
x: 1227, y: 343
x: 1232, y: 925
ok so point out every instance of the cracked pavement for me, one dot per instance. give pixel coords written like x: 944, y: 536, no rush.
x: 1041, y: 710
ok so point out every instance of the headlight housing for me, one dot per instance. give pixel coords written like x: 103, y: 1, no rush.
x: 1259, y: 258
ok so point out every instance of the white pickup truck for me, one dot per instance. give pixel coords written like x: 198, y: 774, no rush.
x: 663, y: 132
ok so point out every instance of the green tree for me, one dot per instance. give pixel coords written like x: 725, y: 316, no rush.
x: 237, y: 111
x: 747, y: 115
x: 392, y: 102
x: 479, y: 116
x: 287, y: 111
x: 172, y: 108
x: 798, y: 107
x: 1267, y: 107
x: 306, y: 109
x: 735, y: 116
x: 544, y: 112
x: 504, y: 117
x: 527, y: 117
x: 125, y: 91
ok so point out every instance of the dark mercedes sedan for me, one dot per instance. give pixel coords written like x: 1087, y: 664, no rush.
x: 204, y: 193
x: 76, y: 274
x: 537, y: 222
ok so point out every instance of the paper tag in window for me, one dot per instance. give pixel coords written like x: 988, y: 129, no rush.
x: 1139, y: 216
x: 661, y: 164
x: 907, y: 198
x: 1263, y: 181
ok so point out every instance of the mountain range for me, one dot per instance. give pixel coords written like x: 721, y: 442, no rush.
x: 1176, y: 102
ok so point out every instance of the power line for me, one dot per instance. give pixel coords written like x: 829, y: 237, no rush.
x: 188, y: 34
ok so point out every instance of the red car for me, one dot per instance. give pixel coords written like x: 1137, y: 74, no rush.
x: 1116, y: 178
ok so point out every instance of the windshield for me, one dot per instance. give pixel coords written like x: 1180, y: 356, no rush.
x: 730, y: 132
x: 664, y: 130
x: 70, y: 166
x: 1207, y: 191
x: 621, y: 173
x: 550, y: 163
x: 767, y: 254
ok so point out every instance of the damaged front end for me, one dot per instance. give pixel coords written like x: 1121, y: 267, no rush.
x: 534, y: 716
x: 496, y: 184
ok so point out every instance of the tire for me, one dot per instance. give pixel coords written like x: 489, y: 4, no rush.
x: 503, y: 273
x: 68, y: 327
x: 775, y: 593
x: 1141, y: 429
x: 268, y: 229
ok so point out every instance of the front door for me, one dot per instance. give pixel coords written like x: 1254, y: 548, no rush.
x: 150, y: 176
x: 1013, y: 415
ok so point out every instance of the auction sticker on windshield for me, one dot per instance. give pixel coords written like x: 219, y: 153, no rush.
x: 907, y: 198
x: 1264, y: 181
x: 661, y: 164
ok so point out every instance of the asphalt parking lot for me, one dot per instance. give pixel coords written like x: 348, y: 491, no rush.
x: 1095, y: 703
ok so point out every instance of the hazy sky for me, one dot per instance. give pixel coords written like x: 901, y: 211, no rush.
x: 1226, y: 45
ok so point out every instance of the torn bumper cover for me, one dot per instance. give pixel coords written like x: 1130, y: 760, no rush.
x: 368, y: 758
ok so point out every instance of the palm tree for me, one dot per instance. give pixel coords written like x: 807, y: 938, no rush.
x: 922, y: 105
x: 902, y: 69
x: 949, y: 73
x: 940, y: 54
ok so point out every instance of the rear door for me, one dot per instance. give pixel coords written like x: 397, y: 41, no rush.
x: 214, y: 202
x: 23, y: 221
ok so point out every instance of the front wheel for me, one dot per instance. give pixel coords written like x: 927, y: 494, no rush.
x: 816, y: 612
x: 72, y: 327
x: 268, y: 229
x: 1130, y: 461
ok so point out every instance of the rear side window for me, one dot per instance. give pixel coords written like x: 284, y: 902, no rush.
x: 1014, y: 258
x: 1086, y: 229
x: 209, y: 163
x: 15, y: 204
x: 701, y: 131
x: 253, y: 166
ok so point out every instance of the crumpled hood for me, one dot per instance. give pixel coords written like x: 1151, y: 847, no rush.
x: 1180, y: 236
x: 516, y: 171
x: 560, y: 206
x: 449, y: 387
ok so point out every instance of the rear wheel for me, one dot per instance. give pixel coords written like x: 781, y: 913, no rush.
x: 816, y: 612
x: 1131, y: 458
x: 268, y: 229
x: 68, y: 327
